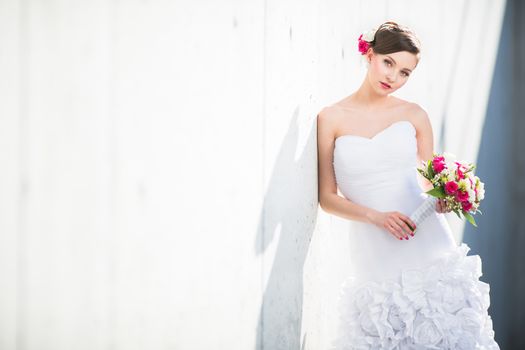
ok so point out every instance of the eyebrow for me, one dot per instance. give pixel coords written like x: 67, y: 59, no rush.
x: 396, y: 63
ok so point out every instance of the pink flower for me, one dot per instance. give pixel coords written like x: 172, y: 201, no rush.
x: 461, y: 175
x: 363, y: 45
x: 451, y: 187
x: 438, y: 164
x: 466, y: 205
x: 462, y: 196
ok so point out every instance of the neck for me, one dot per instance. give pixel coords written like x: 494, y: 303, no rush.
x: 367, y: 96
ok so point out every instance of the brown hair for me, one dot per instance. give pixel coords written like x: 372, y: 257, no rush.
x: 392, y: 37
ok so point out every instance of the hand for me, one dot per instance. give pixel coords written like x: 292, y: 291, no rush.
x: 441, y: 206
x: 395, y: 223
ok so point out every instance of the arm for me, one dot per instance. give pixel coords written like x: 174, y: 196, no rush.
x: 425, y: 142
x: 425, y: 150
x: 329, y: 199
x: 394, y: 222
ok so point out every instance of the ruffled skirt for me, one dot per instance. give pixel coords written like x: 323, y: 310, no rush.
x: 441, y: 306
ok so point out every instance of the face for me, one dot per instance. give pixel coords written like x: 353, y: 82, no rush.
x: 392, y: 69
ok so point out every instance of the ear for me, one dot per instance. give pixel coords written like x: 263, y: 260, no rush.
x: 369, y: 54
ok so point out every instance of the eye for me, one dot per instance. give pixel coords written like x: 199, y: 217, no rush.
x: 387, y: 61
x: 406, y: 74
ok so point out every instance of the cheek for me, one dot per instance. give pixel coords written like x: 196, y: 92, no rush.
x: 402, y: 80
x: 380, y: 68
x: 372, y: 69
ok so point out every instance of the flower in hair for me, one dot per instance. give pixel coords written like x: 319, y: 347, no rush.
x: 365, y: 39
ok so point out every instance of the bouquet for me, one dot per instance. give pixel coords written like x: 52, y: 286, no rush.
x: 453, y: 181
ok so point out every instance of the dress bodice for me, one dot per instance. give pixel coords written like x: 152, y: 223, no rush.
x: 380, y: 173
x: 370, y: 170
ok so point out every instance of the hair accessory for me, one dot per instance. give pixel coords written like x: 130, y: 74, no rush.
x: 365, y: 39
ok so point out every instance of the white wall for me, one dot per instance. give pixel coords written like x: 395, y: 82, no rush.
x: 158, y: 184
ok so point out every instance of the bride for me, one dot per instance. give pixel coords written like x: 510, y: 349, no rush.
x: 410, y: 289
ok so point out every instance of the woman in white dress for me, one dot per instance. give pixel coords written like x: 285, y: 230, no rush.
x: 409, y: 290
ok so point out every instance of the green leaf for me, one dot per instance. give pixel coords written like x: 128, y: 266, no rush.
x: 470, y: 169
x: 470, y: 218
x: 430, y: 169
x: 438, y: 192
x: 457, y: 213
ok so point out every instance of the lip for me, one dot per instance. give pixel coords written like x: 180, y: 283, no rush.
x: 385, y: 85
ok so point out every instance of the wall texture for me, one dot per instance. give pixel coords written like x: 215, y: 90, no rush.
x: 500, y: 235
x: 159, y: 184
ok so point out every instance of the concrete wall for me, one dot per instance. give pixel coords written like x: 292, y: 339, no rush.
x: 500, y: 235
x: 159, y: 186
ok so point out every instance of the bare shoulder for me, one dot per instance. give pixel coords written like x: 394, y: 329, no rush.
x: 331, y: 111
x: 419, y: 116
x: 417, y: 110
x: 327, y: 119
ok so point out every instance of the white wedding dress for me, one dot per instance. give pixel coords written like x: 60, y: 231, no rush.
x: 421, y: 293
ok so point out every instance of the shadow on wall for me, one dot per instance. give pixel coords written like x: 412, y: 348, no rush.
x: 288, y: 214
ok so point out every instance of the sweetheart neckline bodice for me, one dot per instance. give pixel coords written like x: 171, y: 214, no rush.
x: 376, y: 135
x: 384, y: 163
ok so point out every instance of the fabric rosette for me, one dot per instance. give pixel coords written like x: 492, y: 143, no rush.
x: 443, y: 305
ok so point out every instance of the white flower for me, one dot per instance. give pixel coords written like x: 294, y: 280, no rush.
x: 471, y: 195
x: 449, y: 157
x: 481, y: 193
x: 369, y: 35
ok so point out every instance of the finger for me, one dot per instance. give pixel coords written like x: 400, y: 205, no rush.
x: 409, y: 221
x: 399, y: 228
x: 393, y: 231
x: 397, y: 233
x: 404, y: 226
x: 445, y: 207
